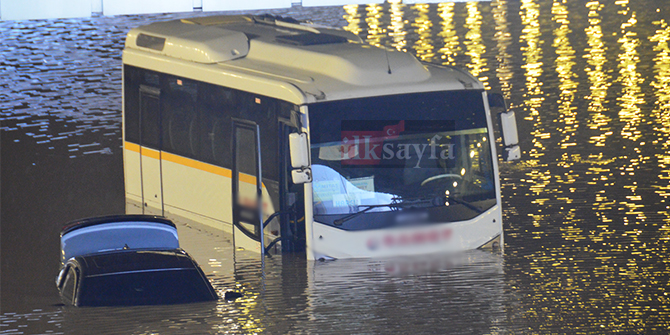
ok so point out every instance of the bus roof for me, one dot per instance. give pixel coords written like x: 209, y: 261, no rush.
x: 284, y: 58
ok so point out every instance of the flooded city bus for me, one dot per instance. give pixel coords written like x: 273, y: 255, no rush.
x: 300, y: 138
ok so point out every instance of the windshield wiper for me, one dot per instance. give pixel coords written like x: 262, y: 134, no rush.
x: 465, y: 203
x: 432, y: 202
x: 409, y: 203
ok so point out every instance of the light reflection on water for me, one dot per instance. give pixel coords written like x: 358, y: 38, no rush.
x: 587, y: 217
x: 423, y: 46
x: 396, y: 28
x: 474, y: 46
x: 503, y: 59
x: 451, y: 45
x: 374, y: 29
x: 599, y: 80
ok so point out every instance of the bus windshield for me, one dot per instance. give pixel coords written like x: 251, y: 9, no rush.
x: 423, y: 153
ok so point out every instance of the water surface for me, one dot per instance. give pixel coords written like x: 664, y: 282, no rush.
x: 587, y: 214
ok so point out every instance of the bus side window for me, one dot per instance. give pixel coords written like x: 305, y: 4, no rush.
x: 131, y: 81
x: 214, y: 109
x: 180, y: 125
x: 150, y: 117
x: 218, y: 135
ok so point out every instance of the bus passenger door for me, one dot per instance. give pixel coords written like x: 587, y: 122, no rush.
x: 150, y: 150
x: 291, y: 196
x: 247, y: 186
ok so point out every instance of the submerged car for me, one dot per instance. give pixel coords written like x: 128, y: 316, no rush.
x: 128, y: 260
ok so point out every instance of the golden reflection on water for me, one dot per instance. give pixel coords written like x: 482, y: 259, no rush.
x: 423, y: 48
x: 450, y: 45
x: 396, y: 28
x: 661, y: 112
x: 474, y: 45
x: 353, y: 19
x: 599, y: 79
x: 503, y: 38
x: 533, y: 97
x: 629, y: 78
x: 567, y: 119
x: 373, y: 19
x: 630, y: 113
x: 247, y: 313
x: 538, y: 176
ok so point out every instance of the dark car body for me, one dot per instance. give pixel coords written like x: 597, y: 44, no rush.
x: 124, y: 276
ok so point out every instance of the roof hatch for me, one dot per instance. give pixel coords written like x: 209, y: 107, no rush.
x: 311, y: 39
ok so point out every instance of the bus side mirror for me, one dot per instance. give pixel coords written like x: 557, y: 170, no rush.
x: 299, y: 151
x: 510, y: 136
x: 508, y: 129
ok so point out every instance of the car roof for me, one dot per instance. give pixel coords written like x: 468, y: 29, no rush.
x: 83, y: 223
x: 117, y: 232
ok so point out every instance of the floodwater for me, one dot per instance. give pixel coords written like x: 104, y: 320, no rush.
x: 586, y: 209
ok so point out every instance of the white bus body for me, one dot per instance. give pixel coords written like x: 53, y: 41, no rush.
x: 401, y: 155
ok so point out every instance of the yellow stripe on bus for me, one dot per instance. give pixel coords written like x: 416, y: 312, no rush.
x: 151, y: 153
x: 131, y: 146
x: 145, y: 151
x: 197, y: 165
x: 166, y: 156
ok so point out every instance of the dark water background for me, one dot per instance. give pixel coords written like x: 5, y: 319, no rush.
x: 587, y: 214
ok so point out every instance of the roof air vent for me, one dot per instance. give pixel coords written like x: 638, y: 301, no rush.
x: 151, y: 42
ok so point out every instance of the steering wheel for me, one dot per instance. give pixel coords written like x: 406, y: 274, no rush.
x: 440, y: 176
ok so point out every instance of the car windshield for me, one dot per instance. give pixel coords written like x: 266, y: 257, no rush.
x: 420, y: 148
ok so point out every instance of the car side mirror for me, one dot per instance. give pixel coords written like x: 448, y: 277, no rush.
x: 299, y: 151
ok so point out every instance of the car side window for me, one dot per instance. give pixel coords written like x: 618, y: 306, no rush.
x: 69, y: 286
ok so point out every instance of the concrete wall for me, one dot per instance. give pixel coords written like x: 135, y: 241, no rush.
x: 47, y: 9
x: 50, y: 9
x: 43, y: 9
